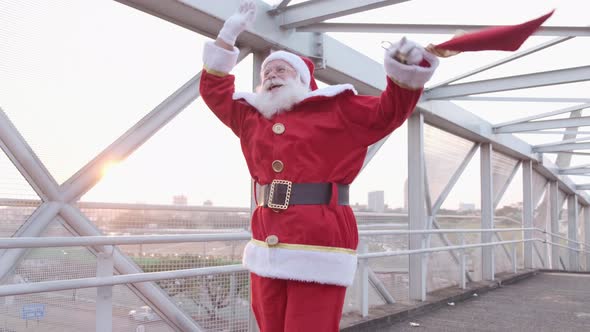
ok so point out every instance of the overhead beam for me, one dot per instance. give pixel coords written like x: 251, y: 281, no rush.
x: 207, y: 17
x: 544, y: 115
x: 311, y: 12
x: 279, y: 8
x: 575, y: 171
x: 563, y: 147
x: 524, y: 99
x: 585, y: 186
x: 562, y: 76
x: 446, y: 29
x: 544, y: 124
x: 511, y: 57
x: 573, y: 140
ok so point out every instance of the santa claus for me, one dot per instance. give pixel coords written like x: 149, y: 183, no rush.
x: 304, y: 146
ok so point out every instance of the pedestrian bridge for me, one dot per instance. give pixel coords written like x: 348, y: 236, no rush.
x: 125, y: 205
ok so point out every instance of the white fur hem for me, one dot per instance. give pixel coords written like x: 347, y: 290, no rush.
x: 334, y: 268
x: 219, y: 59
x: 329, y: 91
x: 412, y: 76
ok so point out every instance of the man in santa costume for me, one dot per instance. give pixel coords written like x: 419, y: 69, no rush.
x: 304, y: 146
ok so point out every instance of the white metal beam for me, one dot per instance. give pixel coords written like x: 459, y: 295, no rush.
x: 416, y: 200
x: 207, y: 17
x: 311, y: 12
x: 509, y: 58
x: 566, y: 141
x: 554, y: 210
x: 527, y: 211
x: 544, y: 124
x: 543, y: 115
x: 487, y: 210
x: 563, y: 147
x: 26, y: 161
x: 279, y: 8
x: 562, y: 76
x: 502, y: 190
x: 585, y: 186
x: 447, y: 29
x: 523, y: 99
x: 587, y: 235
x: 572, y: 232
x: 575, y: 171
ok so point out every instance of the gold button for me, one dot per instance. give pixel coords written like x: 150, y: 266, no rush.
x: 278, y: 128
x: 277, y: 166
x: 272, y: 240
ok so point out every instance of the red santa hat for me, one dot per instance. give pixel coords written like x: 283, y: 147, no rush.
x: 302, y: 65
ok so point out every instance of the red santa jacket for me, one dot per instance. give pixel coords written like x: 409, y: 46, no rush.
x: 325, y: 139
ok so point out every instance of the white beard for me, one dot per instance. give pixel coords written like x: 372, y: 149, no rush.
x: 270, y: 103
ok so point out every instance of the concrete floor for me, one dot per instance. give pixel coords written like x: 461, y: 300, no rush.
x: 548, y: 301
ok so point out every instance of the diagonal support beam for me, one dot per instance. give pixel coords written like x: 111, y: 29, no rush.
x: 310, y: 12
x: 446, y: 29
x: 278, y: 8
x: 544, y: 115
x: 575, y: 171
x: 207, y: 17
x: 564, y: 147
x: 562, y: 76
x: 500, y: 62
x: 525, y: 99
x: 567, y: 141
x: 544, y: 124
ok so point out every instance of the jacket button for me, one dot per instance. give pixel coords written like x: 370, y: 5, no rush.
x: 277, y: 166
x: 278, y: 128
x: 272, y: 240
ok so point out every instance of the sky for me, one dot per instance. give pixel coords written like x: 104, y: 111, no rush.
x: 75, y: 75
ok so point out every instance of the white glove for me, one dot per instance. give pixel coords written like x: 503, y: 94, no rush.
x: 406, y: 51
x: 238, y: 22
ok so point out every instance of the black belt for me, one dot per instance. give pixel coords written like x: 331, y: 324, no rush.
x: 282, y: 193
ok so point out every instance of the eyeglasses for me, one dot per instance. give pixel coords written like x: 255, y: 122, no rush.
x: 279, y: 70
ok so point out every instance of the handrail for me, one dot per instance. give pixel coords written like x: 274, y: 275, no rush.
x: 57, y: 285
x: 43, y: 242
x: 561, y: 237
x: 435, y: 249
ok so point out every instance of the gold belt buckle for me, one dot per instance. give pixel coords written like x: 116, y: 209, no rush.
x: 285, y: 205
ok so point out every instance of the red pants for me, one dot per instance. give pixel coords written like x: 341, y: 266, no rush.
x: 294, y: 306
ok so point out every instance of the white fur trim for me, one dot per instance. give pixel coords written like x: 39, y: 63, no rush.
x: 294, y: 60
x: 332, y: 268
x: 218, y: 58
x: 329, y: 91
x: 412, y: 76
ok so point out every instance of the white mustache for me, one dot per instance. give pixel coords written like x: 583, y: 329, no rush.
x: 273, y: 81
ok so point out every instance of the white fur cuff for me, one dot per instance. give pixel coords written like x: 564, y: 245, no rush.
x: 332, y: 268
x: 411, y: 76
x: 219, y: 59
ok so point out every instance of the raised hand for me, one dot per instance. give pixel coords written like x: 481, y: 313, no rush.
x: 406, y: 51
x: 238, y: 22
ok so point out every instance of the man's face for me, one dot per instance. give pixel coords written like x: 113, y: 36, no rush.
x: 275, y: 73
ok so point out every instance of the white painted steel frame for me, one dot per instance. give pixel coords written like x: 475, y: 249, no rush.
x: 487, y: 210
x: 543, y: 115
x: 587, y: 236
x: 572, y: 231
x: 554, y: 77
x: 416, y: 201
x: 310, y: 26
x: 207, y: 19
x: 310, y: 12
x: 527, y: 211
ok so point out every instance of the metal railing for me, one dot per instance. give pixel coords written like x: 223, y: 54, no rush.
x: 105, y: 277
